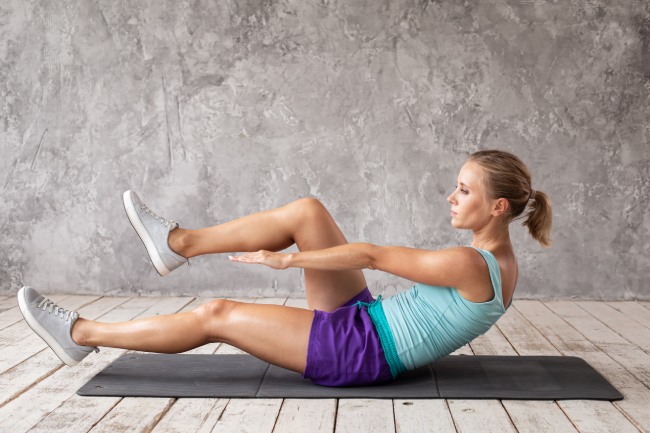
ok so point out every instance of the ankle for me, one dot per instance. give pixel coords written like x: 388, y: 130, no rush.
x: 78, y: 333
x: 179, y: 241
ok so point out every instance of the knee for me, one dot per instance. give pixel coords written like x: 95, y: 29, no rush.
x: 309, y: 206
x: 213, y: 315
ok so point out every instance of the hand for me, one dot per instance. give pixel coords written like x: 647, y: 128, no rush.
x: 268, y: 258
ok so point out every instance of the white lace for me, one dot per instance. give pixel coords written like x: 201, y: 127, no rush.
x: 62, y: 313
x: 67, y: 315
x: 169, y: 224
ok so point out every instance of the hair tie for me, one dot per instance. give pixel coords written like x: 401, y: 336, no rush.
x: 532, y: 193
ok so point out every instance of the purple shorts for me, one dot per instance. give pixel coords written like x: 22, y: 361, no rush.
x: 344, y: 347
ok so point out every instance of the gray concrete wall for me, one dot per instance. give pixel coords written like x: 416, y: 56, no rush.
x: 215, y: 109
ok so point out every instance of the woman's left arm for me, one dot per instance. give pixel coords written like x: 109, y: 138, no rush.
x: 347, y: 256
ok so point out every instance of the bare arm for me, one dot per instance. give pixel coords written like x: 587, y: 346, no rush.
x: 458, y: 267
x: 348, y: 256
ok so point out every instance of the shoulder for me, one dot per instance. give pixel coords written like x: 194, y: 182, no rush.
x: 452, y: 267
x: 470, y: 267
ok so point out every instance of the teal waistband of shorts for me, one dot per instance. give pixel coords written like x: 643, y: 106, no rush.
x: 376, y: 313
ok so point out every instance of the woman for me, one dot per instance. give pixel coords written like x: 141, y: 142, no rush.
x: 347, y: 338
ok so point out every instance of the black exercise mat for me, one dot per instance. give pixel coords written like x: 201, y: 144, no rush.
x: 521, y: 378
x: 455, y: 376
x: 164, y: 375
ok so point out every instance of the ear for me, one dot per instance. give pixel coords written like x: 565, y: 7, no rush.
x: 501, y: 205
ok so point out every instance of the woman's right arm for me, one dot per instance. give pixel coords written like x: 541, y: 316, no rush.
x: 459, y: 267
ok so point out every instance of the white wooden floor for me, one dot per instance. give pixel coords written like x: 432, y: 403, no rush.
x: 37, y: 392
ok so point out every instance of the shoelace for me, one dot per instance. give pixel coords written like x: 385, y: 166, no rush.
x: 160, y: 219
x: 64, y: 314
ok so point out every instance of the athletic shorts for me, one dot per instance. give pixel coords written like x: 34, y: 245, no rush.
x: 344, y: 347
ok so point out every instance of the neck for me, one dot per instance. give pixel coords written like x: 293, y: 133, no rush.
x: 490, y: 237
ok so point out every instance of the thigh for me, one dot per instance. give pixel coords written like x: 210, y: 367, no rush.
x: 325, y: 290
x: 274, y: 333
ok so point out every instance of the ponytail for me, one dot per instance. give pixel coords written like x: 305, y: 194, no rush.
x: 508, y: 177
x: 539, y: 218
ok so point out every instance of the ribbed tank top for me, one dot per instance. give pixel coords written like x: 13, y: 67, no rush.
x: 427, y: 323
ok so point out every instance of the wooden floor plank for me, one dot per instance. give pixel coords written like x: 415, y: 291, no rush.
x: 306, y: 415
x: 628, y: 354
x: 538, y: 416
x: 255, y: 415
x: 485, y: 416
x: 631, y: 330
x: 132, y: 415
x: 572, y: 343
x: 525, y: 339
x: 362, y: 415
x: 76, y: 414
x: 191, y: 415
x: 527, y: 416
x: 49, y: 394
x: 422, y: 416
x: 29, y: 372
x: 586, y: 415
x: 10, y: 317
x: 633, y: 310
x: 597, y: 416
x: 8, y: 302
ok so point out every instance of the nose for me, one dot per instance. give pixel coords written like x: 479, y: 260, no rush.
x: 451, y: 199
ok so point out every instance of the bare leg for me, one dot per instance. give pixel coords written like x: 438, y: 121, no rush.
x: 276, y: 334
x: 273, y: 333
x: 305, y: 222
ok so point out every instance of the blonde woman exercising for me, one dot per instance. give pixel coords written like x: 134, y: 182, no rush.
x: 347, y: 337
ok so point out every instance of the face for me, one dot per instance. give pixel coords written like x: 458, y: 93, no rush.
x: 470, y: 206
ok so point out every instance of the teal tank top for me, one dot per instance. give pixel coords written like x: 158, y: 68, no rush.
x: 426, y: 323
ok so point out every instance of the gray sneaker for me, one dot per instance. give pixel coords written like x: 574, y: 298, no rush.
x: 53, y: 324
x: 154, y: 233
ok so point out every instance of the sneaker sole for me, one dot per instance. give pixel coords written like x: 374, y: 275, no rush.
x: 42, y: 332
x: 139, y: 228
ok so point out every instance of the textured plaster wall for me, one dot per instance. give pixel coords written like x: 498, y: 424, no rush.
x: 212, y: 110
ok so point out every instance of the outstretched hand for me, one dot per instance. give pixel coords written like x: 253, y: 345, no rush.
x: 263, y: 257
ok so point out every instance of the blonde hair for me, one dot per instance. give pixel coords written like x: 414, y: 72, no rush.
x: 506, y: 176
